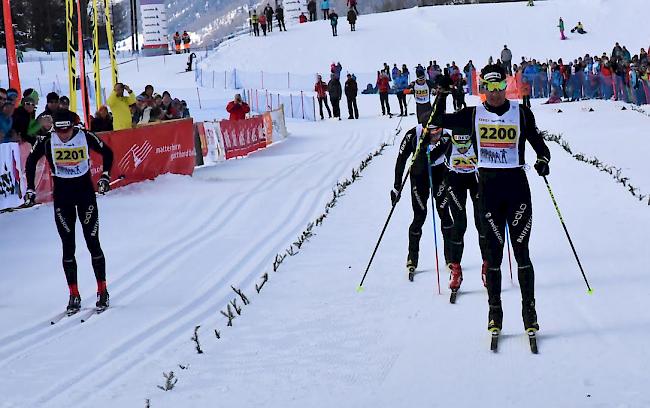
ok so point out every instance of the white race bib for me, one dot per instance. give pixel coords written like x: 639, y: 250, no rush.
x: 497, y: 137
x: 70, y: 158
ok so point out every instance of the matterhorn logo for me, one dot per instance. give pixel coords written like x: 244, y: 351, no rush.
x: 134, y: 157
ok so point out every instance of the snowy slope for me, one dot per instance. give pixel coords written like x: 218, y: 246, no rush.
x: 175, y: 245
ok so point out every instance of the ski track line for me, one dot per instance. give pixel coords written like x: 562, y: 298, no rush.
x: 300, y: 206
x: 157, y: 258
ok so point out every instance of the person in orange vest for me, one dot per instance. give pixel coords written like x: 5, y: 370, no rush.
x: 177, y: 42
x: 186, y: 42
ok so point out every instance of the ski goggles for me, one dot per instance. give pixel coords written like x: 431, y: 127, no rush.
x: 494, y: 86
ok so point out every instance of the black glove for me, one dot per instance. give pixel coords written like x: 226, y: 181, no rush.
x: 30, y: 198
x: 541, y: 165
x: 103, y: 185
x: 394, y: 196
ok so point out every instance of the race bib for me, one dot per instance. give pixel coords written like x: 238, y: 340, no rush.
x: 70, y: 159
x: 498, y: 138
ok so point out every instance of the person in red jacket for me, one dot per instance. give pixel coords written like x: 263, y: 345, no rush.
x: 321, y: 92
x: 237, y: 108
x: 383, y: 85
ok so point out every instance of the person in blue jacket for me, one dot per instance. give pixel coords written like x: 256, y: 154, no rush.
x: 400, y: 83
x: 325, y: 6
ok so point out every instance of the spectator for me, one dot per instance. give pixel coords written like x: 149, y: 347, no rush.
x: 64, y: 104
x: 351, y: 90
x: 395, y: 72
x: 12, y: 95
x: 263, y: 24
x: 279, y: 14
x: 626, y: 55
x: 268, y: 12
x: 321, y: 92
x: 334, y: 21
x: 177, y: 109
x: 24, y: 120
x: 256, y: 25
x: 302, y: 18
x: 237, y: 108
x: 383, y: 84
x: 157, y: 100
x: 185, y: 111
x: 148, y: 91
x: 353, y: 5
x: 401, y: 83
x: 506, y: 59
x: 337, y: 70
x: 142, y: 111
x: 186, y: 42
x: 7, y: 134
x: 177, y: 43
x: 335, y: 91
x: 405, y: 70
x: 352, y: 19
x: 52, y: 104
x: 311, y: 7
x: 120, y: 106
x: 102, y: 122
x: 157, y: 115
x: 579, y: 29
x: 561, y: 27
x: 166, y: 101
x: 47, y: 45
x: 325, y: 6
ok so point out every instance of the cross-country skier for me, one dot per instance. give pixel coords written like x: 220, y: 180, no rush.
x: 420, y: 189
x: 499, y: 130
x: 67, y: 152
x: 460, y: 159
x: 422, y: 89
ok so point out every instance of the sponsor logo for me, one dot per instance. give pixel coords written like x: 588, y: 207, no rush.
x: 525, y: 231
x: 89, y: 214
x: 135, y: 156
x: 519, y: 214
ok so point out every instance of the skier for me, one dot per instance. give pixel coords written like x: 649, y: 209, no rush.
x: 420, y: 189
x: 497, y: 125
x: 422, y: 89
x: 279, y: 14
x: 66, y: 150
x: 334, y: 20
x: 352, y: 4
x: 190, y: 60
x: 460, y: 159
x: 321, y: 93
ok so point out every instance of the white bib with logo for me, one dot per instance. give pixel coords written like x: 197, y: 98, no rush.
x: 464, y: 162
x: 497, y: 137
x: 422, y: 93
x: 70, y: 158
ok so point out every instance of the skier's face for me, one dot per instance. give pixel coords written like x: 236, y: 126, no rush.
x: 496, y: 98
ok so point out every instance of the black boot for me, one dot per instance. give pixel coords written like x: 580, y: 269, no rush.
x: 74, y: 304
x: 529, y: 315
x: 412, y: 259
x: 102, y: 300
x: 495, y: 318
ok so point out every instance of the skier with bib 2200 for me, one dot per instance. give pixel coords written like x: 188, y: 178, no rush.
x: 499, y: 130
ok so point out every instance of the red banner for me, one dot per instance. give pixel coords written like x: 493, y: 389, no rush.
x: 12, y: 62
x: 139, y: 154
x: 242, y: 137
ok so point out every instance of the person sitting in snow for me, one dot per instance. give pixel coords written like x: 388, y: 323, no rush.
x: 579, y: 29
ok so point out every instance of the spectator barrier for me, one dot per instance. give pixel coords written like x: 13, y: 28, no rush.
x: 139, y: 154
x: 227, y: 139
x: 11, y: 174
x: 298, y: 106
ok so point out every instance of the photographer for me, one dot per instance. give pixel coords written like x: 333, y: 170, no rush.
x: 238, y: 108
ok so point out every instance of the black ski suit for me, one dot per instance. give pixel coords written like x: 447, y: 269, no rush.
x: 420, y: 191
x: 72, y: 197
x: 504, y: 195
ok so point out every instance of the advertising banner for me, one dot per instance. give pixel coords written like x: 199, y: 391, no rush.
x: 242, y: 137
x: 12, y: 184
x: 154, y: 24
x: 274, y: 125
x: 214, y: 150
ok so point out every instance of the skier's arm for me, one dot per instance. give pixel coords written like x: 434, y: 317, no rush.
x: 38, y: 151
x: 440, y: 148
x: 96, y: 144
x: 405, y: 150
x: 461, y: 121
x: 532, y: 134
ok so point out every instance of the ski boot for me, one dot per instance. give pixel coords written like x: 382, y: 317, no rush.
x: 495, y: 322
x: 102, y: 300
x: 529, y: 315
x: 455, y: 279
x: 411, y: 264
x: 74, y: 305
x: 484, y: 269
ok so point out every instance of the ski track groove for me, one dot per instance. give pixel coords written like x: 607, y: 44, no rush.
x: 205, y: 305
x: 158, y: 258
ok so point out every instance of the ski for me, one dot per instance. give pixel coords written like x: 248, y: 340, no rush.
x: 532, y: 340
x: 411, y: 272
x: 64, y: 314
x: 92, y: 312
x: 494, y: 343
x: 452, y: 297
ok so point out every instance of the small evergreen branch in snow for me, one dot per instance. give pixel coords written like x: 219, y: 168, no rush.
x: 170, y: 382
x: 265, y: 277
x: 217, y: 334
x: 241, y: 295
x: 237, y: 308
x: 195, y: 339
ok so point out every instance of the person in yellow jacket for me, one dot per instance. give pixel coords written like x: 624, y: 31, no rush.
x: 119, y: 105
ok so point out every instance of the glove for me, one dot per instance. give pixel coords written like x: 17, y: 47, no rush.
x: 394, y: 196
x: 30, y: 198
x: 103, y: 185
x: 541, y: 165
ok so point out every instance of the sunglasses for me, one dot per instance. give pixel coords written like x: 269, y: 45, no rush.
x: 30, y: 104
x: 495, y: 86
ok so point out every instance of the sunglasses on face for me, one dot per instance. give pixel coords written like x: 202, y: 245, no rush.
x: 495, y: 86
x: 30, y: 104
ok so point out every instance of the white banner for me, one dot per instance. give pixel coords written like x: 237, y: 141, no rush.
x: 214, y: 140
x: 154, y: 23
x: 279, y: 126
x: 11, y: 188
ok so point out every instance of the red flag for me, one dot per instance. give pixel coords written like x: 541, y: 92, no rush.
x: 12, y: 63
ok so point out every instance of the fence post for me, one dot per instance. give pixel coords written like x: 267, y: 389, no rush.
x: 235, y: 76
x: 199, y: 96
x: 262, y: 75
x: 225, y: 79
x: 266, y: 99
x: 313, y: 103
x: 291, y: 101
x: 257, y: 101
x: 302, y: 103
x: 212, y: 78
x: 288, y: 80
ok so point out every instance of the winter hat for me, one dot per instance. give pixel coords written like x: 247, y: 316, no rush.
x: 52, y: 97
x: 31, y: 93
x: 493, y: 73
x: 63, y: 120
x: 64, y: 99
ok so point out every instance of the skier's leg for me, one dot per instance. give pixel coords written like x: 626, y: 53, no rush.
x: 442, y: 207
x: 89, y: 217
x: 65, y: 218
x: 457, y: 197
x: 419, y: 199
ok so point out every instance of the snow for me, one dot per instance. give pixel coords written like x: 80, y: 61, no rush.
x: 175, y: 245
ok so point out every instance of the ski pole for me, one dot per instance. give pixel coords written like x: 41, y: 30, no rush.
x: 433, y: 215
x: 566, y: 231
x: 400, y: 119
x: 509, y: 258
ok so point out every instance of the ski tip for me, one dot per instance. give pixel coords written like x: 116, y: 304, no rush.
x: 359, y: 289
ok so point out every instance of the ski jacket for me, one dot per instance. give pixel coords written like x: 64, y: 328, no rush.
x: 506, y: 55
x: 121, y: 112
x: 321, y: 89
x: 268, y: 11
x: 383, y: 83
x: 311, y: 6
x: 334, y: 19
x: 351, y: 88
x: 325, y: 5
x: 262, y: 19
x: 351, y: 3
x: 352, y: 16
x: 334, y: 88
x: 400, y: 82
x: 255, y: 19
x: 237, y: 111
x: 279, y: 13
